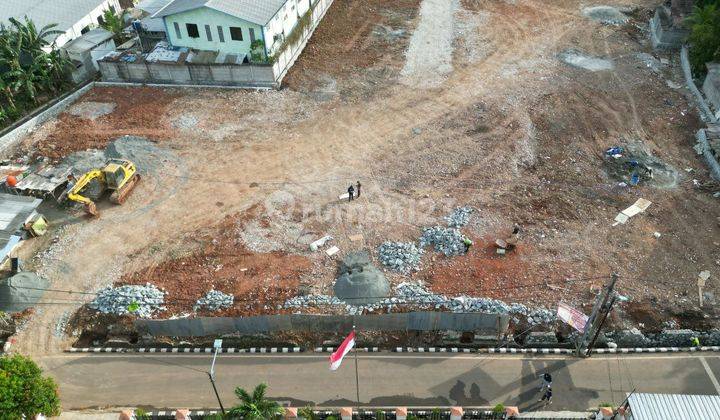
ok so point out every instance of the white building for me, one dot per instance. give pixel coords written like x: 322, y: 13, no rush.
x: 73, y: 17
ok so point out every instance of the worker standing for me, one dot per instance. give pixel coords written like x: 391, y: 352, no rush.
x: 351, y: 192
x: 468, y: 243
x: 358, y: 189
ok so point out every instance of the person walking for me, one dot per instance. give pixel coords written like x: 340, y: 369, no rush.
x: 358, y: 189
x: 545, y: 381
x: 351, y: 192
x: 547, y: 396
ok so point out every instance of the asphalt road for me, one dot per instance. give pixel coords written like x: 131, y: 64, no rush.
x: 386, y: 379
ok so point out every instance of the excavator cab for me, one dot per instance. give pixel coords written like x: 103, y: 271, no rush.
x: 116, y: 173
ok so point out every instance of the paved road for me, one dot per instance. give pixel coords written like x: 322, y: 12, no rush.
x: 386, y: 379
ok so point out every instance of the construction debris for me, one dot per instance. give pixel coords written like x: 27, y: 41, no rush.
x: 214, y: 301
x: 449, y: 241
x: 638, y: 207
x: 508, y: 244
x: 401, y: 256
x: 459, y: 217
x: 419, y: 296
x: 320, y: 242
x: 142, y: 301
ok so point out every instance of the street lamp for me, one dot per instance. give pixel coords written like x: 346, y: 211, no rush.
x: 217, y: 345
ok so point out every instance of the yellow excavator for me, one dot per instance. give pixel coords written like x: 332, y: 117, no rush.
x: 119, y: 176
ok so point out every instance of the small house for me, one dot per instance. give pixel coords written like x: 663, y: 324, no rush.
x: 243, y: 28
x: 72, y: 17
x: 84, y: 52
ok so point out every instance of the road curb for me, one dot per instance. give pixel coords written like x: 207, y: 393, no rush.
x: 185, y: 350
x: 433, y: 350
x: 360, y: 349
x: 281, y: 350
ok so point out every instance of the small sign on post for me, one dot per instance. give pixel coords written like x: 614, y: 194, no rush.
x: 572, y: 317
x: 217, y: 344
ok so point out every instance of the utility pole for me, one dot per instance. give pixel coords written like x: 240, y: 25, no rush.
x: 591, y: 327
x: 217, y: 345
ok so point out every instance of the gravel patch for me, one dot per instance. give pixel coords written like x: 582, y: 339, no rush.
x: 429, y: 57
x: 400, y: 256
x: 91, y: 110
x: 459, y: 217
x: 449, y: 241
x: 148, y: 299
x: 605, y: 14
x: 577, y: 59
x: 214, y: 301
x: 418, y: 296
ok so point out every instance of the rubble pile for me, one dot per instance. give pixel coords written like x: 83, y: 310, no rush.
x: 312, y: 300
x: 417, y: 295
x: 142, y: 301
x: 401, y: 256
x: 214, y: 300
x: 449, y: 241
x: 459, y: 217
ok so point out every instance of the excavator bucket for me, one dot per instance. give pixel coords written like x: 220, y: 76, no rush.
x: 91, y: 209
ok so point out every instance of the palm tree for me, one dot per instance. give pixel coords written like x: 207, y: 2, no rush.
x: 255, y: 406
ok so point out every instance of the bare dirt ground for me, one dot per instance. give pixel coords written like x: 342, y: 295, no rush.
x: 512, y: 131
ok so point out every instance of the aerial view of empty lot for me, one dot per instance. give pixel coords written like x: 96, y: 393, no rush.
x: 505, y: 108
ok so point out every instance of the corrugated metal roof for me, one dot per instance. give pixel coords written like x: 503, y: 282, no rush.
x: 44, y: 12
x: 14, y: 210
x: 674, y: 407
x: 88, y: 41
x: 152, y: 6
x: 255, y: 11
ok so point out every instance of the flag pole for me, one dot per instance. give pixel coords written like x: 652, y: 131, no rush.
x: 357, y: 378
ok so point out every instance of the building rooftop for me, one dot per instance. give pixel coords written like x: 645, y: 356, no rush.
x: 255, y: 11
x: 674, y: 406
x: 65, y: 13
x: 88, y: 41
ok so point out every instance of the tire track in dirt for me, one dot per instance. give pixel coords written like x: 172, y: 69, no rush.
x: 335, y: 142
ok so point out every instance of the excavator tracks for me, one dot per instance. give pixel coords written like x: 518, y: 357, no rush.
x: 119, y: 196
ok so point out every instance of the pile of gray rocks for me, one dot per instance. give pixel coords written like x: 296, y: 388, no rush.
x: 214, y: 300
x: 141, y: 301
x: 447, y: 240
x: 418, y: 296
x: 459, y: 217
x: 401, y: 256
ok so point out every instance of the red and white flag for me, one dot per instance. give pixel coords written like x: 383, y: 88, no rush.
x: 337, y: 357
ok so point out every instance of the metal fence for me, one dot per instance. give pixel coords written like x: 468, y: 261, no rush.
x: 410, y: 321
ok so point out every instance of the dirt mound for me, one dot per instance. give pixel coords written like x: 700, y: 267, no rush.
x: 258, y: 281
x: 135, y: 113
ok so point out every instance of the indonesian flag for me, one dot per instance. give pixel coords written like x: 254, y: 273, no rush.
x: 337, y: 357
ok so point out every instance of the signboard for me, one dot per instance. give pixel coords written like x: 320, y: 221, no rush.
x: 572, y: 317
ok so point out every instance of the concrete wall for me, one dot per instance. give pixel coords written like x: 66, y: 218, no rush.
x: 662, y: 32
x: 214, y: 19
x: 283, y: 63
x: 13, y: 137
x: 711, y: 86
x: 189, y: 74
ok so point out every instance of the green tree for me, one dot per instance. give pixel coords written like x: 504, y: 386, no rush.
x: 24, y: 391
x: 115, y: 23
x: 255, y: 406
x: 704, y: 39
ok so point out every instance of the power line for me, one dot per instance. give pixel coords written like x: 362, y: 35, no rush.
x: 420, y: 298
